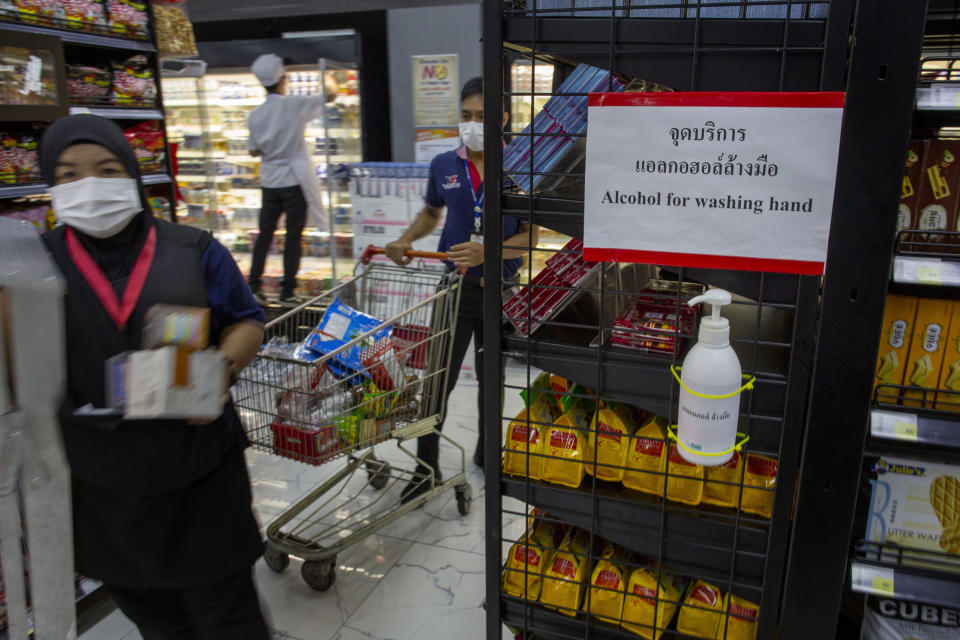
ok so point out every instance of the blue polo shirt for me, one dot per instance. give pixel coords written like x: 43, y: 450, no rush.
x: 449, y: 187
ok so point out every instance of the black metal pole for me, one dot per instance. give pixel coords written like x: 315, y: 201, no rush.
x: 493, y: 274
x: 876, y: 127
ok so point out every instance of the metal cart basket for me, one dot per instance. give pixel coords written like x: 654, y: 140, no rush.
x: 388, y: 383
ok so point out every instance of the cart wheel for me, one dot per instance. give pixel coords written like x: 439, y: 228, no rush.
x: 379, y: 474
x: 319, y: 575
x: 464, y: 498
x: 276, y: 560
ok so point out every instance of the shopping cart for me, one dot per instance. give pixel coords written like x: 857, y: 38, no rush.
x: 316, y: 412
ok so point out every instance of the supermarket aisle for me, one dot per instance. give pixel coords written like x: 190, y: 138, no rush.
x: 420, y: 577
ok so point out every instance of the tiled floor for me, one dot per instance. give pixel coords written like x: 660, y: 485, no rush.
x: 421, y: 576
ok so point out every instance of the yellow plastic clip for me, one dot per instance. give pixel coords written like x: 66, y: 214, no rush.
x: 737, y: 447
x: 748, y: 386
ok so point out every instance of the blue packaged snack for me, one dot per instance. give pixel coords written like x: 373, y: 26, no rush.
x: 341, y: 325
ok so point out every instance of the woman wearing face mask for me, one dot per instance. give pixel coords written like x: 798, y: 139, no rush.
x: 162, y: 508
x: 456, y: 182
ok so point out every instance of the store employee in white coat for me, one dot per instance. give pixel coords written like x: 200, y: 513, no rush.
x: 288, y: 176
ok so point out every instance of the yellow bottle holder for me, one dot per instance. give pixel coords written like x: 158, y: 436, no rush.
x: 674, y: 369
x: 744, y: 439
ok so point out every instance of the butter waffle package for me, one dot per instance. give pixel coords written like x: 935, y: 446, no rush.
x: 721, y: 484
x: 609, y: 441
x: 685, y: 480
x: 565, y: 445
x: 646, y: 599
x: 741, y: 619
x: 916, y: 504
x: 525, y: 436
x: 608, y: 583
x: 702, y: 611
x: 759, y: 481
x: 927, y: 350
x: 899, y: 316
x: 564, y: 579
x: 885, y: 619
x: 950, y: 371
x: 647, y: 458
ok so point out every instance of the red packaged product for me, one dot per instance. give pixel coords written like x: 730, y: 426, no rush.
x: 415, y: 340
x: 310, y: 445
x: 384, y: 361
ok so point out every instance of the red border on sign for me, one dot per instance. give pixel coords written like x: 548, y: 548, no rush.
x: 789, y: 99
x: 665, y: 259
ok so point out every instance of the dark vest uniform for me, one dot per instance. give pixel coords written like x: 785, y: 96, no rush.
x: 159, y: 503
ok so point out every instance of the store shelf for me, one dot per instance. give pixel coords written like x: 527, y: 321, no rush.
x: 562, y: 215
x: 79, y: 37
x: 915, y: 426
x: 696, y: 541
x: 549, y: 624
x: 21, y: 190
x: 155, y: 178
x: 890, y: 577
x: 926, y: 272
x: 120, y: 113
x: 746, y: 54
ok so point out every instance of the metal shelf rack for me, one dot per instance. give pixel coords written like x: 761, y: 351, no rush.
x: 786, y: 564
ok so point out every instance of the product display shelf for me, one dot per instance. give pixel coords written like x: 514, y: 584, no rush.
x: 549, y: 624
x: 926, y: 263
x: 890, y: 421
x: 699, y: 539
x: 119, y: 113
x: 731, y: 53
x: 22, y: 190
x: 74, y: 36
x: 904, y: 574
x: 797, y: 559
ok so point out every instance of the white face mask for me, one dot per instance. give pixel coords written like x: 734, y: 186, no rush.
x: 472, y: 135
x: 98, y: 207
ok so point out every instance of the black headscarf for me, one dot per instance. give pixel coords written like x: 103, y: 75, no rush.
x: 114, y: 255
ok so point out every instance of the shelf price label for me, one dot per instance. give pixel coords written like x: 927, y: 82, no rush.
x: 926, y: 271
x: 894, y: 426
x: 874, y: 580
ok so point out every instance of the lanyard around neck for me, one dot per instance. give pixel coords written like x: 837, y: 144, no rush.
x: 119, y: 311
x: 477, y: 202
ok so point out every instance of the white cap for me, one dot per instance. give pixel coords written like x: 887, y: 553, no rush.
x: 714, y: 329
x: 268, y: 68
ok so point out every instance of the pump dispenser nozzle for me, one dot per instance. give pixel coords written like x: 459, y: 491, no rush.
x: 714, y: 329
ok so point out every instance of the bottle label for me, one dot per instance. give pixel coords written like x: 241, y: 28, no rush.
x: 708, y: 425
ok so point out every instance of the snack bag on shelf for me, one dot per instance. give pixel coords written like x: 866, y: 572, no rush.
x: 37, y: 11
x: 647, y: 457
x: 8, y: 153
x: 741, y: 621
x: 646, y: 600
x: 565, y: 575
x: 128, y: 17
x: 523, y: 438
x: 685, y: 480
x: 83, y: 14
x: 761, y: 473
x: 174, y: 31
x: 85, y: 81
x: 721, y: 484
x: 529, y: 556
x: 609, y: 440
x: 702, y: 611
x: 564, y: 445
x: 133, y: 82
x: 541, y: 387
x: 559, y: 384
x: 608, y: 583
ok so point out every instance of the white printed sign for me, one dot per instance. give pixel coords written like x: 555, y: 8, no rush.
x: 717, y: 180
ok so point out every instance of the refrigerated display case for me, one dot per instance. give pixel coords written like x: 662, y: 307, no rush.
x: 217, y: 172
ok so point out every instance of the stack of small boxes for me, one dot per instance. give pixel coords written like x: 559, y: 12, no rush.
x: 920, y: 349
x: 930, y: 195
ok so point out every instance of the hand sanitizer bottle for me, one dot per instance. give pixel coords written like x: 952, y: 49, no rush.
x: 709, y: 424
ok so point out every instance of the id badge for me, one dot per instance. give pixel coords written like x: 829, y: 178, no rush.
x: 477, y: 237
